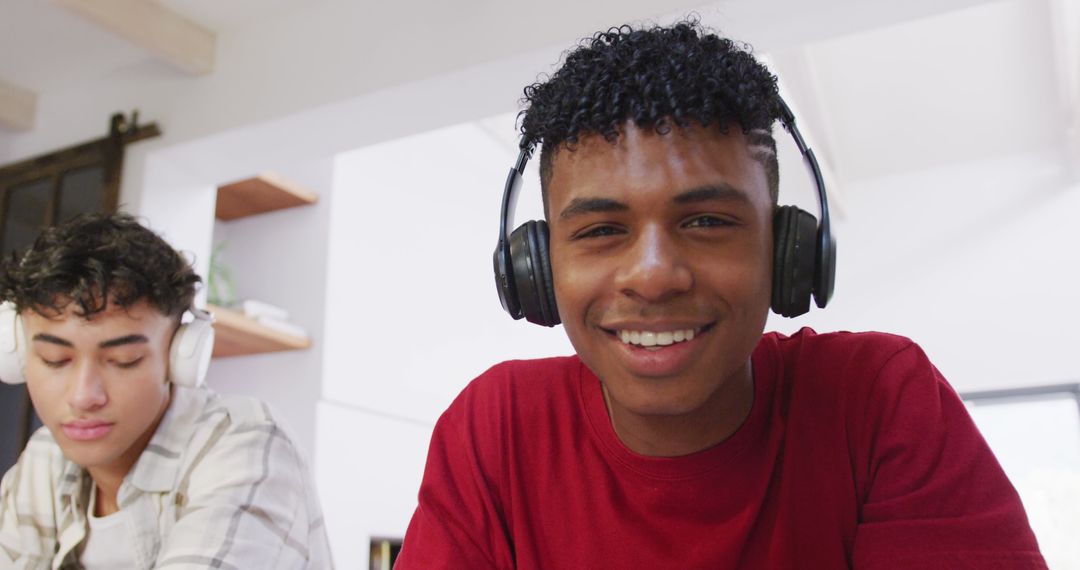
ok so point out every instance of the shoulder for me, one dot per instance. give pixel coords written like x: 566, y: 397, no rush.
x: 210, y: 426
x: 233, y: 442
x: 515, y: 393
x: 43, y: 449
x: 540, y: 369
x: 855, y: 375
x: 206, y: 409
x: 39, y: 471
x: 861, y: 348
x: 521, y: 379
x: 242, y: 410
x: 41, y: 463
x: 844, y: 358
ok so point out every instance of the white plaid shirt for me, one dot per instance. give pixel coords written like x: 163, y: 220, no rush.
x: 220, y: 485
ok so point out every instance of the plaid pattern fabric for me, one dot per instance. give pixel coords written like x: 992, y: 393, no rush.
x: 220, y: 485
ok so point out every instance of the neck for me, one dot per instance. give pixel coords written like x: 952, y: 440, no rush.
x: 676, y: 435
x: 108, y: 485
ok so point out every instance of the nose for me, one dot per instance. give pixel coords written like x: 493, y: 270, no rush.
x: 87, y: 391
x: 654, y: 269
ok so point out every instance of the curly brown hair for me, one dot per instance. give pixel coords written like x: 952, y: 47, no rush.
x: 660, y: 78
x: 95, y: 259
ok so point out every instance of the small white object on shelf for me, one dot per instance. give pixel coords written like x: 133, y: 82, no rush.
x: 282, y: 326
x: 259, y: 309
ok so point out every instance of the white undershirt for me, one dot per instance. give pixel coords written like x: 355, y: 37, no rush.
x: 108, y: 544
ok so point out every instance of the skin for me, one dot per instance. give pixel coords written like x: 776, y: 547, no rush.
x: 107, y: 372
x: 663, y: 232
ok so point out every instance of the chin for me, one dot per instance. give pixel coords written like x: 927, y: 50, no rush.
x: 82, y: 458
x: 85, y: 455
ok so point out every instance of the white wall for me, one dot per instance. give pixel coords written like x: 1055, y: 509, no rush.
x: 368, y: 484
x: 414, y: 311
x: 975, y: 261
x: 413, y: 315
x: 280, y: 258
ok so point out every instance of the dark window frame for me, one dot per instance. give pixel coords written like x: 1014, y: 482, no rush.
x: 107, y: 152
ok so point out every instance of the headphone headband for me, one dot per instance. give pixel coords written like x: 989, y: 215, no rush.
x: 503, y: 263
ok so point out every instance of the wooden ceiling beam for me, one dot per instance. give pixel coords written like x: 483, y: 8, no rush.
x: 153, y: 27
x: 17, y: 107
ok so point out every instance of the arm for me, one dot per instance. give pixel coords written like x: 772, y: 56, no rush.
x: 459, y: 521
x: 933, y: 495
x: 244, y: 504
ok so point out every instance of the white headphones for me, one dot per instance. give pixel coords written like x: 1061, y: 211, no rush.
x: 189, y: 353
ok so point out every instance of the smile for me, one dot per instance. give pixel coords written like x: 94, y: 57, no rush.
x: 656, y: 338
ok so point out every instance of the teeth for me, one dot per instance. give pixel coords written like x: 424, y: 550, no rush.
x: 653, y: 338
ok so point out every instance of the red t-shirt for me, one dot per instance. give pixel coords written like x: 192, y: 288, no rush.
x: 856, y: 453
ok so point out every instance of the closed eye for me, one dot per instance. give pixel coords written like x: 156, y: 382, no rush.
x: 55, y: 363
x: 129, y: 363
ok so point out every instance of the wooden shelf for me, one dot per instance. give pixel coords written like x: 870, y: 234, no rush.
x: 236, y: 335
x: 263, y: 193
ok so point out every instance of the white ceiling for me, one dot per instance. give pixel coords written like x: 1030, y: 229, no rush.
x: 883, y: 89
x: 956, y: 87
x: 44, y: 47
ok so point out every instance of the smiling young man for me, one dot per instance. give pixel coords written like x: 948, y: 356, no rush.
x: 138, y: 465
x: 680, y: 436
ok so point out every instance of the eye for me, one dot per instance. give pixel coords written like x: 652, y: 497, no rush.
x: 707, y: 221
x: 598, y: 232
x: 55, y: 363
x: 128, y: 364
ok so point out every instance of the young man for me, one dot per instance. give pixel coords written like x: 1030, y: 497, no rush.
x: 679, y: 436
x: 137, y: 465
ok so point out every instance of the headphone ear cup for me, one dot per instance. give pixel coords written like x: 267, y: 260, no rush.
x: 532, y: 273
x: 794, y: 260
x: 12, y: 345
x: 824, y: 269
x: 190, y: 351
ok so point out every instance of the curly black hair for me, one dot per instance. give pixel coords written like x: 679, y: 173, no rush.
x: 96, y: 258
x: 654, y: 77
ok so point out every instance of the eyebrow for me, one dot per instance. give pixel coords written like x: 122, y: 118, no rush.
x: 721, y: 191
x: 119, y: 341
x: 581, y: 206
x: 43, y: 337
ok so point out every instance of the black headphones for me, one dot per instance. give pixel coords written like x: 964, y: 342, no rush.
x: 804, y: 256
